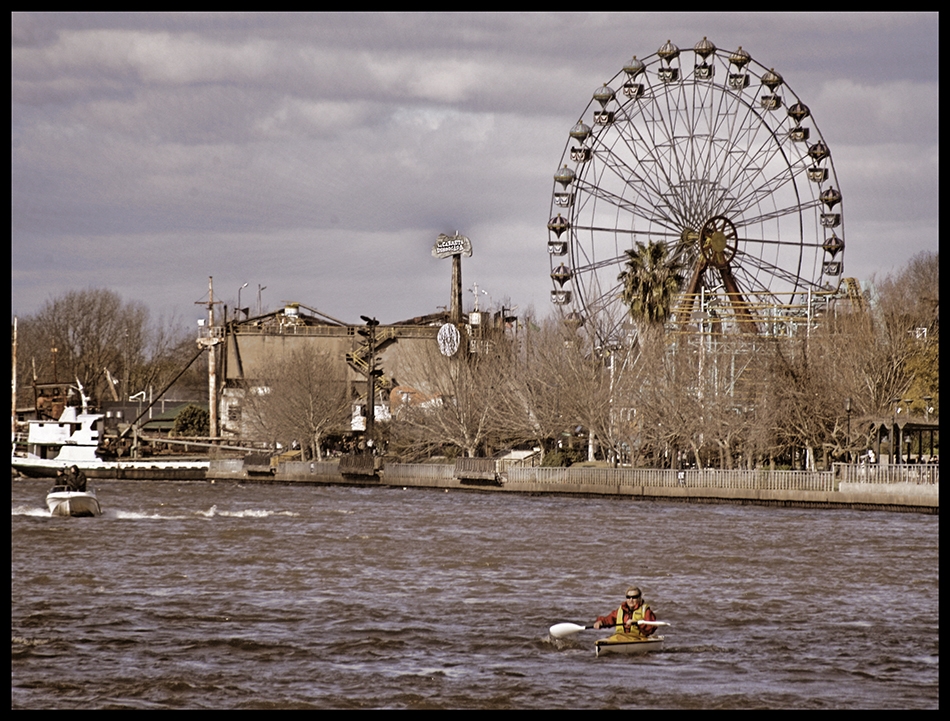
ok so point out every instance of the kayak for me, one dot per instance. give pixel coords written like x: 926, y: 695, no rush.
x: 627, y: 643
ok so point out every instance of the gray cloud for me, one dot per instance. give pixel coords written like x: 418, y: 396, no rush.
x: 321, y: 154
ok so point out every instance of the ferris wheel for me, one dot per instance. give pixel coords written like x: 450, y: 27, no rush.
x: 713, y: 155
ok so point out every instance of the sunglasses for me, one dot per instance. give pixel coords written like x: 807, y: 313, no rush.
x: 633, y: 598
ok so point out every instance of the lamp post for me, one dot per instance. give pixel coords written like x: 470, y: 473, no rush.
x: 928, y: 409
x: 372, y: 374
x: 847, y: 407
x: 140, y: 396
x: 895, y: 448
x: 260, y: 289
x: 239, y: 299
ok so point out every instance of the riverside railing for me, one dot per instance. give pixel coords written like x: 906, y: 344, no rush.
x: 418, y: 471
x: 704, y: 478
x: 761, y: 479
x: 920, y: 474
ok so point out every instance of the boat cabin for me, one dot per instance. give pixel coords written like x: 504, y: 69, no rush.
x: 47, y: 438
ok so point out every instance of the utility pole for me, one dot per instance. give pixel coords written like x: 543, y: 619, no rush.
x: 211, y: 341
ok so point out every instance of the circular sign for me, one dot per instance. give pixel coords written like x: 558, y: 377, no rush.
x: 449, y: 339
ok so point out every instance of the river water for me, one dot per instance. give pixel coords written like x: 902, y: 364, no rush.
x: 228, y: 596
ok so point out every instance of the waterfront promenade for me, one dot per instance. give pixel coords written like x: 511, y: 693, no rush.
x: 910, y: 488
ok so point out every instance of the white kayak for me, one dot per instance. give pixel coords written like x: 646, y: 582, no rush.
x: 619, y: 642
x: 627, y: 643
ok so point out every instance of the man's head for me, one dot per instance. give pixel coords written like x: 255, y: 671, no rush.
x: 634, y: 597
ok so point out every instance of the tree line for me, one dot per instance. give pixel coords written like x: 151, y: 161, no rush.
x: 668, y: 399
x: 110, y: 348
x: 799, y: 400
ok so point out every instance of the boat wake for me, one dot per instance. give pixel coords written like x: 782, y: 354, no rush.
x: 212, y: 512
x: 246, y: 513
x: 30, y: 511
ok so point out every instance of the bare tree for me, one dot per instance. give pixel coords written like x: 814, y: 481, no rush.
x: 539, y: 406
x: 461, y: 404
x: 91, y: 335
x: 302, y: 398
x: 589, y: 382
x: 905, y: 324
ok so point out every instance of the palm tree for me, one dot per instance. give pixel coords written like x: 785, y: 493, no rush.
x: 651, y: 281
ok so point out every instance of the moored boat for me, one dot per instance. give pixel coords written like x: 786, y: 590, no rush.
x: 627, y: 643
x: 63, y: 501
x: 74, y: 440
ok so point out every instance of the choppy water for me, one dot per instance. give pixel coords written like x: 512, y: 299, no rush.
x: 199, y: 595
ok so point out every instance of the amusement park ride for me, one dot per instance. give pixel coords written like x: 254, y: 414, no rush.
x: 713, y: 155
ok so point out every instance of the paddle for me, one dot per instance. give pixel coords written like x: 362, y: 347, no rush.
x: 560, y: 630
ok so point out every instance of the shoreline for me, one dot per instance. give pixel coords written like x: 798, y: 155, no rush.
x: 895, y: 497
x: 787, y: 489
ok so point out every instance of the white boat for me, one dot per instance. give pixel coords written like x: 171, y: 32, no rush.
x: 627, y: 643
x: 74, y: 440
x: 62, y: 501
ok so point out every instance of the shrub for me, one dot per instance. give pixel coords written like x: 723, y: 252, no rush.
x: 192, y: 421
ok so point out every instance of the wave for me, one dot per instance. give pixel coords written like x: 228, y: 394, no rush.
x: 30, y: 511
x: 246, y: 513
x: 212, y: 512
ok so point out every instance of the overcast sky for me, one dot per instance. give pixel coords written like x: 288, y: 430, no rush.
x: 321, y: 155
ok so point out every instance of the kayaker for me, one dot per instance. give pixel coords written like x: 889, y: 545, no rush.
x: 625, y: 618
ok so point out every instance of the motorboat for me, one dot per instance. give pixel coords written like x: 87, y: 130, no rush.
x: 74, y: 440
x: 63, y: 501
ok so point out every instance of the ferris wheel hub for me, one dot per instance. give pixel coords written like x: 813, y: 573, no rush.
x: 719, y: 238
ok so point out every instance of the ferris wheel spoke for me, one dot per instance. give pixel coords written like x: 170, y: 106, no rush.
x: 651, y: 233
x: 750, y: 181
x: 778, y: 242
x: 740, y: 125
x: 751, y: 187
x: 747, y: 261
x: 743, y: 203
x: 646, y: 193
x: 777, y: 213
x: 720, y: 117
x: 632, y: 208
x: 645, y: 151
x: 655, y: 138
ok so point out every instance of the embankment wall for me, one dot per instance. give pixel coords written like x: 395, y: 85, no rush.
x: 778, y: 488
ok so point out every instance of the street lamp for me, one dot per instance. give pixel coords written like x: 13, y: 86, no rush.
x: 372, y: 373
x: 239, y: 298
x: 476, y: 291
x: 847, y: 407
x: 895, y: 448
x: 896, y: 436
